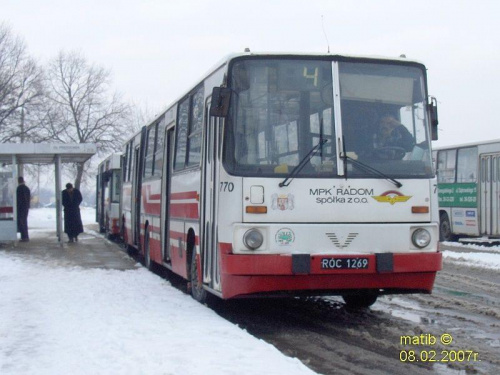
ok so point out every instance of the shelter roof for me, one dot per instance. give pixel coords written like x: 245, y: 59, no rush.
x: 45, y: 153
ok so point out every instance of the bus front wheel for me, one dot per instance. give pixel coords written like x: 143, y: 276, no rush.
x: 359, y: 301
x: 197, y: 291
x: 445, y: 233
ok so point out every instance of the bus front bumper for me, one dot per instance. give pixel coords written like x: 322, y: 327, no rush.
x: 384, y: 273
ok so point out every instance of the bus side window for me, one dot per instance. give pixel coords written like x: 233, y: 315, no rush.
x: 446, y: 166
x: 467, y: 164
x: 195, y: 128
x: 150, y: 151
x: 124, y: 165
x: 181, y: 135
x: 160, y: 146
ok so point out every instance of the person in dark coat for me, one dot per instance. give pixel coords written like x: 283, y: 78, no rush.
x: 23, y: 197
x: 71, y: 199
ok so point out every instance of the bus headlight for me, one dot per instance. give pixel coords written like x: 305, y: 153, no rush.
x: 421, y: 238
x: 253, y: 239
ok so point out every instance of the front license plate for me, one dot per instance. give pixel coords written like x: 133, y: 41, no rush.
x: 344, y: 263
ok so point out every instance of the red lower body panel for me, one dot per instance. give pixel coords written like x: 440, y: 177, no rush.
x: 245, y: 275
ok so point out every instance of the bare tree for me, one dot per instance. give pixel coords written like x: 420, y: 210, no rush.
x: 21, y: 88
x: 83, y: 108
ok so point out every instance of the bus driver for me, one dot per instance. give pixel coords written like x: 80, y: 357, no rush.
x: 391, y: 133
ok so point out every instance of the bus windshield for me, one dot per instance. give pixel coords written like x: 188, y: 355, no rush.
x: 282, y: 108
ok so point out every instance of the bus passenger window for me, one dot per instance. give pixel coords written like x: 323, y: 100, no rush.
x: 467, y: 164
x: 446, y: 166
x: 150, y: 152
x: 195, y: 128
x: 160, y: 146
x: 181, y: 138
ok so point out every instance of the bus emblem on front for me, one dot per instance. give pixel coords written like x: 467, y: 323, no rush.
x: 391, y: 197
x: 282, y: 202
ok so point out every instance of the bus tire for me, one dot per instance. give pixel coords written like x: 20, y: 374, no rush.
x: 197, y: 290
x: 445, y: 233
x: 359, y: 301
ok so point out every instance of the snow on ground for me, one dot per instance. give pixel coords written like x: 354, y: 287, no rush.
x: 482, y: 260
x: 480, y: 256
x: 56, y: 320
x: 493, y: 249
x: 43, y: 219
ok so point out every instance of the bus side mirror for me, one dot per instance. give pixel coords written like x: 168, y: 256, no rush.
x: 433, y: 112
x: 221, y: 96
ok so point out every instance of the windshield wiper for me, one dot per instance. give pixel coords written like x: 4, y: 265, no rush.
x: 302, y: 163
x: 367, y: 168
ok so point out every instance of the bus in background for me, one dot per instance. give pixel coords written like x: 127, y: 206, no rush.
x: 469, y: 191
x: 108, y: 195
x: 282, y: 174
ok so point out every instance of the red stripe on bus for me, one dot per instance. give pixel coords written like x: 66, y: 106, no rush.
x: 225, y: 248
x: 184, y: 195
x: 151, y: 208
x: 184, y: 210
x: 176, y: 235
x: 147, y: 194
x: 6, y: 210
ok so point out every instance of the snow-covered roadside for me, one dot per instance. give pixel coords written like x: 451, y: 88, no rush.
x: 479, y: 256
x: 59, y: 320
x: 474, y: 259
x: 490, y: 249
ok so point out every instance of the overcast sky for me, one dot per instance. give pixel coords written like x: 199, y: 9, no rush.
x: 157, y: 49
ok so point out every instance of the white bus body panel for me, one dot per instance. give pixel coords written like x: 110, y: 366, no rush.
x: 339, y: 201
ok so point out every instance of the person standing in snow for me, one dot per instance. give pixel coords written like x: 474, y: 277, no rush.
x: 23, y: 196
x: 71, y: 199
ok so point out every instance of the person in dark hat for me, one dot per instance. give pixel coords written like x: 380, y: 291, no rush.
x: 71, y: 199
x: 23, y: 197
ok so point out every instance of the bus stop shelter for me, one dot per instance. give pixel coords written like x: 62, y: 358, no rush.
x: 11, y: 155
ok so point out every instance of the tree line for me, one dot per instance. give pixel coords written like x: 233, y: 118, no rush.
x: 66, y: 100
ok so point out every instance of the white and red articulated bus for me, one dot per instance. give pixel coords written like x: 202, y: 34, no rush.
x: 273, y: 177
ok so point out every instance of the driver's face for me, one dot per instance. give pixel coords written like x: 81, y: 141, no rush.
x: 386, y: 127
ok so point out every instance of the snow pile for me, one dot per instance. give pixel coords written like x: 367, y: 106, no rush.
x: 69, y: 320
x: 60, y: 321
x: 495, y: 249
x: 482, y: 260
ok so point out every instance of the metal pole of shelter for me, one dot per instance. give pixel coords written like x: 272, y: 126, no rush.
x: 14, y: 188
x: 58, y: 197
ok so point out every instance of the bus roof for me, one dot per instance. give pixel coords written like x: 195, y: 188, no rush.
x: 467, y: 144
x: 225, y: 60
x: 231, y: 56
